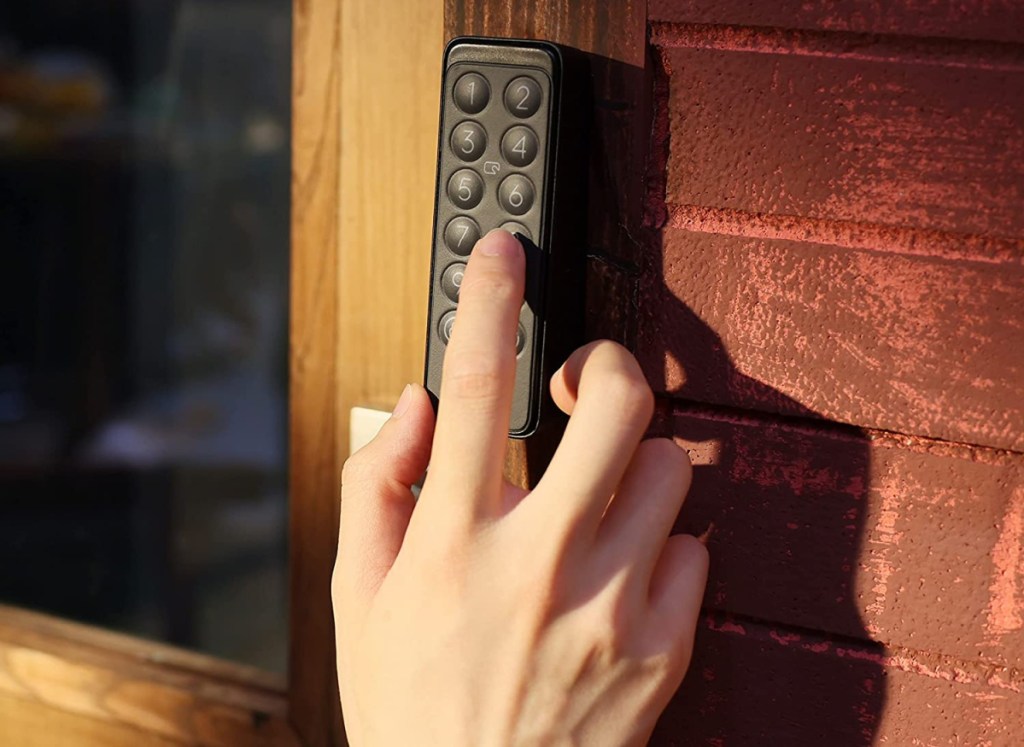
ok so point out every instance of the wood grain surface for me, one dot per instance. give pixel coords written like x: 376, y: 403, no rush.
x: 389, y: 116
x: 73, y: 684
x: 316, y: 416
x: 35, y: 724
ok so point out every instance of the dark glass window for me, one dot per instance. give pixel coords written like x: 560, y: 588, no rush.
x: 144, y: 203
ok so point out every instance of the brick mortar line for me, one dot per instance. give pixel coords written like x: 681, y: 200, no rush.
x: 916, y: 242
x: 842, y: 431
x: 927, y: 663
x: 955, y: 53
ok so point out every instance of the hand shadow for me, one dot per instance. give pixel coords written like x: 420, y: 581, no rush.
x: 782, y: 654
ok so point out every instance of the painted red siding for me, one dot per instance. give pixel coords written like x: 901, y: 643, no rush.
x: 830, y: 304
x: 995, y: 20
x: 883, y: 339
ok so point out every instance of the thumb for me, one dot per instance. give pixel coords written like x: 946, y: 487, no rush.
x: 377, y: 499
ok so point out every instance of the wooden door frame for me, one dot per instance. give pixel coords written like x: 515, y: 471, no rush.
x: 90, y: 687
x: 361, y: 213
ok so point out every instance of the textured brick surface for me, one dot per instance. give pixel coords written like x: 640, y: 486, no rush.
x: 755, y: 685
x: 877, y: 140
x: 906, y: 542
x: 878, y: 339
x: 1000, y: 20
x: 839, y: 188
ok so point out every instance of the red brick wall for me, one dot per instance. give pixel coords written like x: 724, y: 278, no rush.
x: 831, y: 307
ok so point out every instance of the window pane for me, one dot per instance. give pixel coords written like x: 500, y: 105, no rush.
x: 144, y: 182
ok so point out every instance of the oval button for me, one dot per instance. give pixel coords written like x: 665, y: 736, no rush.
x: 451, y: 280
x: 466, y: 189
x: 468, y: 141
x: 516, y: 194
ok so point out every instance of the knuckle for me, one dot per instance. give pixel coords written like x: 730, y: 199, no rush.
x: 668, y: 454
x: 630, y: 390
x: 472, y: 378
x: 494, y: 286
x: 612, y: 631
x: 358, y: 468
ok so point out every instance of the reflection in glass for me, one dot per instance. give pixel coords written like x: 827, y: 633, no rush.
x: 144, y: 176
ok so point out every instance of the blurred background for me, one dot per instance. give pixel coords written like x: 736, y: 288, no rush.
x: 144, y: 203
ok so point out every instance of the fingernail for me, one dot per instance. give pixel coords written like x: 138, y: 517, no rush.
x: 498, y: 243
x: 403, y: 402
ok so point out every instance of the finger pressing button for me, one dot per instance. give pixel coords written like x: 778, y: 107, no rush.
x: 513, y: 227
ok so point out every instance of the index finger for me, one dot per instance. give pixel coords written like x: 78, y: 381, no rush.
x: 479, y: 373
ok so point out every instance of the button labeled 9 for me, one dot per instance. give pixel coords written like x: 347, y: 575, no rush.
x: 451, y: 280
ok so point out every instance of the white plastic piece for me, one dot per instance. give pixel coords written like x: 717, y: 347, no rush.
x: 363, y: 424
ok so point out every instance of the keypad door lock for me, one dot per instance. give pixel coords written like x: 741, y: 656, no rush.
x: 512, y: 154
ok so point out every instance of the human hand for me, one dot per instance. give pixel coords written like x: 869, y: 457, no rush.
x: 484, y: 614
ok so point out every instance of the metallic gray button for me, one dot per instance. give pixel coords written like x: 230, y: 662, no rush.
x: 466, y: 189
x: 461, y: 234
x: 468, y: 140
x: 515, y: 194
x: 472, y: 93
x: 520, y: 339
x: 451, y: 280
x: 522, y: 97
x: 519, y: 146
x: 513, y: 227
x: 444, y: 327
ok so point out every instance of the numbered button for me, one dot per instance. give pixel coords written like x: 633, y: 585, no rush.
x: 451, y: 281
x: 444, y: 327
x: 469, y: 141
x: 461, y: 235
x: 519, y: 146
x: 513, y: 227
x: 516, y: 194
x: 466, y: 189
x: 522, y: 97
x: 472, y: 93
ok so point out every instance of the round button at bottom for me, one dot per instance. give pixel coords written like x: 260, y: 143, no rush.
x: 445, y: 326
x: 513, y: 227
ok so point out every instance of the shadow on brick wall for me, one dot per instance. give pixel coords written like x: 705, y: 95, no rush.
x: 783, y: 656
